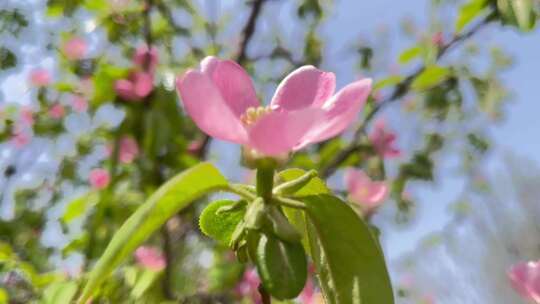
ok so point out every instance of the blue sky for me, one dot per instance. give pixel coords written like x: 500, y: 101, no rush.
x: 518, y: 133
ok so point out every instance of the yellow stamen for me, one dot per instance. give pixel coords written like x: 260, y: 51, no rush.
x: 253, y: 114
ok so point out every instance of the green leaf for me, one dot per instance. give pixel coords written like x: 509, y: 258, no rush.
x: 78, y: 206
x: 315, y: 186
x: 468, y: 12
x: 517, y: 12
x: 7, y: 59
x: 409, y: 54
x: 282, y: 266
x: 430, y: 77
x: 347, y: 255
x: 168, y: 200
x: 144, y: 281
x: 388, y: 81
x: 59, y: 293
x: 4, y: 298
x: 295, y: 216
x: 104, y: 79
x: 526, y: 18
x: 220, y: 226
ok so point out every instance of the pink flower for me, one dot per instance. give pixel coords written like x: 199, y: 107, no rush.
x: 221, y: 99
x: 79, y: 103
x: 248, y: 287
x: 150, y: 258
x: 383, y: 140
x: 129, y: 150
x: 26, y: 116
x: 20, y: 139
x: 57, y: 111
x: 99, y: 178
x: 362, y: 190
x: 147, y: 59
x: 437, y: 39
x: 75, y: 48
x: 308, y: 294
x: 525, y: 279
x: 40, y: 77
x: 136, y: 87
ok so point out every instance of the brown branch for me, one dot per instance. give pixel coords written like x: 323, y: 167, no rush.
x: 249, y: 30
x: 265, y: 297
x: 241, y: 57
x: 400, y: 90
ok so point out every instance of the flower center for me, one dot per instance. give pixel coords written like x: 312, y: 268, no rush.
x: 252, y: 114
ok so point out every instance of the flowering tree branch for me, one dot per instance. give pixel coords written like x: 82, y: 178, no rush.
x: 400, y: 90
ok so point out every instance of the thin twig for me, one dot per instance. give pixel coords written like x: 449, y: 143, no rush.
x: 400, y: 90
x: 169, y: 261
x: 249, y: 30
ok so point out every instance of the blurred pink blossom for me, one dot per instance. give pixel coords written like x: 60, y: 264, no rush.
x: 146, y: 59
x: 129, y: 150
x: 309, y: 294
x: 40, y: 78
x: 79, y: 103
x: 525, y: 279
x: 248, y: 287
x: 136, y: 87
x: 150, y: 258
x: 20, y: 139
x: 384, y: 140
x: 75, y: 48
x: 57, y: 111
x: 221, y: 99
x: 438, y: 39
x: 26, y: 116
x: 363, y: 191
x: 428, y: 299
x: 99, y: 178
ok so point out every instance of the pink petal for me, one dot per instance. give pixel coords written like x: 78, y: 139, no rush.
x: 124, y: 89
x: 209, y: 64
x: 146, y: 58
x: 376, y: 193
x: 150, y: 258
x: 519, y: 278
x: 341, y: 111
x: 204, y: 104
x: 384, y: 140
x: 75, y: 48
x: 306, y: 86
x: 143, y: 84
x: 129, y: 150
x: 40, y: 77
x: 99, y: 178
x: 56, y: 111
x: 234, y: 84
x: 280, y: 131
x: 363, y: 190
x: 355, y: 179
x: 79, y: 103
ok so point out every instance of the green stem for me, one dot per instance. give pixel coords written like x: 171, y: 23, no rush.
x: 265, y: 182
x: 241, y: 191
x: 288, y: 202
